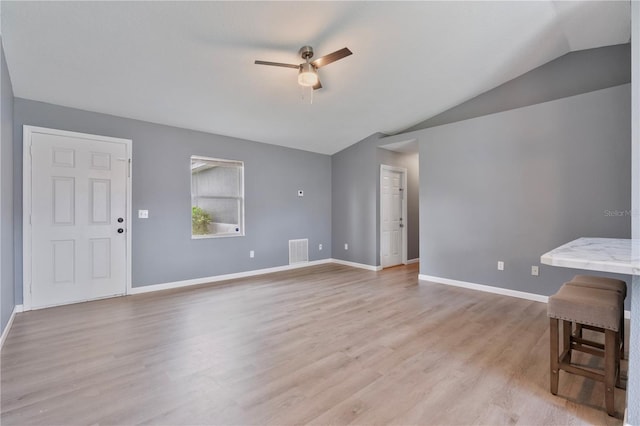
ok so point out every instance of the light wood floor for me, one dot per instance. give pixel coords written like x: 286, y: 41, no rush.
x: 322, y: 345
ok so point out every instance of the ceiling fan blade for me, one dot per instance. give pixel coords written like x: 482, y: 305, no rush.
x: 331, y: 57
x: 277, y: 64
x: 318, y: 85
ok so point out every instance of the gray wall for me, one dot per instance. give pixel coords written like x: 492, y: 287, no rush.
x: 355, y: 169
x: 571, y: 74
x: 163, y: 250
x: 355, y: 200
x: 7, y: 299
x: 412, y: 163
x: 355, y: 177
x: 513, y: 185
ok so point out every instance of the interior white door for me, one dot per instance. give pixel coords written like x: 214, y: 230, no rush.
x: 78, y: 219
x: 391, y: 219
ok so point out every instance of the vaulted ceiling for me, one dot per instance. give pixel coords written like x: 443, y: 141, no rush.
x: 190, y: 64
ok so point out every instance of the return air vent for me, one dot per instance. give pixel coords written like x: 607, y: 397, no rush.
x: 298, y: 251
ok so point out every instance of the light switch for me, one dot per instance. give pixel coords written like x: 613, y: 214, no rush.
x: 143, y: 214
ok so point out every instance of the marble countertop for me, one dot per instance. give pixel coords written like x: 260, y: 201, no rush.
x: 597, y: 254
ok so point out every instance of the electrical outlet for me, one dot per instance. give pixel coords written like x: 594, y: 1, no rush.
x: 500, y: 265
x: 346, y: 246
x: 535, y: 270
x: 319, y: 246
x: 252, y: 254
x: 143, y: 214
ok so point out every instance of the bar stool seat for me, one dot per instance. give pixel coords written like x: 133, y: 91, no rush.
x: 603, y: 283
x: 593, y: 307
x: 586, y: 305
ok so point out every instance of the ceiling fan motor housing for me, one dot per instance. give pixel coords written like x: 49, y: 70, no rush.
x: 306, y: 52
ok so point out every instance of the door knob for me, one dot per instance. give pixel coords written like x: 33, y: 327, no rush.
x: 120, y: 220
x: 120, y: 230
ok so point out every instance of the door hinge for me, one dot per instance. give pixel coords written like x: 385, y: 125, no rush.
x: 31, y: 150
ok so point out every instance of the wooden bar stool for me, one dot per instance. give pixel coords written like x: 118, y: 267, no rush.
x: 586, y: 306
x: 603, y: 283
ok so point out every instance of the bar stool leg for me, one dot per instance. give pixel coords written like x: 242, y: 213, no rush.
x: 622, y: 333
x: 554, y: 371
x: 566, y: 340
x: 578, y: 332
x: 618, y: 358
x: 611, y: 358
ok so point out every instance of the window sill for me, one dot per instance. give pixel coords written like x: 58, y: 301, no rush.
x: 222, y: 235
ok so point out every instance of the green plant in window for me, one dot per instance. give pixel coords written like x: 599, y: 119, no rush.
x: 200, y: 221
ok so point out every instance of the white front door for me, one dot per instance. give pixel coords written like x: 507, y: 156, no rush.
x: 391, y: 219
x: 78, y: 199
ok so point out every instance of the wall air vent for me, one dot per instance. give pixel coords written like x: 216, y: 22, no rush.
x: 298, y: 251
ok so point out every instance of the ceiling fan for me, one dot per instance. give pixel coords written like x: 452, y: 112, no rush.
x: 308, y: 71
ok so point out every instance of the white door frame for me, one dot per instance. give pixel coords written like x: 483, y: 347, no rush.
x: 405, y: 219
x: 27, y: 133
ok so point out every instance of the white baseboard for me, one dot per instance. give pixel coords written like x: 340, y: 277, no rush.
x: 410, y: 261
x: 495, y: 290
x: 5, y: 332
x: 357, y: 265
x: 216, y: 278
x: 485, y: 288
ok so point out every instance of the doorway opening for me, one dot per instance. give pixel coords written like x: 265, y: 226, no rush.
x: 393, y: 216
x: 398, y: 203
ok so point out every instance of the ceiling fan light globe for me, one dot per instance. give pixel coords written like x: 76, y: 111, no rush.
x: 307, y: 79
x: 307, y: 75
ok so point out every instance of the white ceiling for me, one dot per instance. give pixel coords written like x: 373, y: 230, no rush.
x: 190, y: 64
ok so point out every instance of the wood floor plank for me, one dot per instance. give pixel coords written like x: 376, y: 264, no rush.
x: 327, y: 344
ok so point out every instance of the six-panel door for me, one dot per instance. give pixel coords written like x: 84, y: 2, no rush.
x: 391, y: 218
x: 78, y: 195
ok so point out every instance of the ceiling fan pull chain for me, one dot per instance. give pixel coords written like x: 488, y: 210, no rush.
x: 306, y: 94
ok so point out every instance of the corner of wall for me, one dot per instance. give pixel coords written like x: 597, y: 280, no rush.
x: 7, y: 289
x: 354, y: 202
x: 633, y: 383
